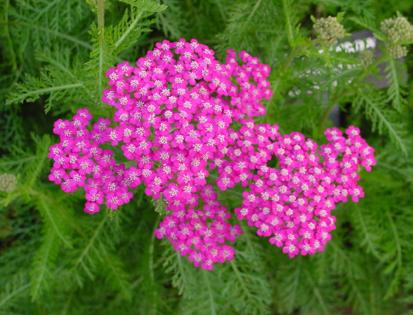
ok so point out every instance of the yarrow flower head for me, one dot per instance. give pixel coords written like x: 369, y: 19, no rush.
x: 175, y: 112
x: 201, y: 233
x: 329, y: 30
x: 79, y: 161
x: 399, y: 32
x: 292, y: 204
x: 7, y: 182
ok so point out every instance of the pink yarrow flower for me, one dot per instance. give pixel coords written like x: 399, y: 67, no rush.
x: 175, y: 112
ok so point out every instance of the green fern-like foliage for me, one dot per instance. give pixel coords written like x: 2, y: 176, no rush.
x: 383, y: 119
x: 54, y: 259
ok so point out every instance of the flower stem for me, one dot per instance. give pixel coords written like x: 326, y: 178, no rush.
x: 101, y: 34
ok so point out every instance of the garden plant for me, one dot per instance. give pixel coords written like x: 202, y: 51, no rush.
x: 206, y: 157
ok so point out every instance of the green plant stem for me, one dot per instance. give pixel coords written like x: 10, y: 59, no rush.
x: 101, y: 31
x: 8, y: 37
x: 290, y: 35
x: 210, y: 293
x: 254, y: 9
x: 326, y: 114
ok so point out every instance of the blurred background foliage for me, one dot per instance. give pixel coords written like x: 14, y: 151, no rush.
x: 54, y: 259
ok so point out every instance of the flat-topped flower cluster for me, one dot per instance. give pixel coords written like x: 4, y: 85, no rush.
x: 185, y: 123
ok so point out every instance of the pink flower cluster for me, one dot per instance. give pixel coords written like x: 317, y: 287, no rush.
x: 201, y: 231
x: 292, y: 204
x: 79, y: 161
x: 174, y: 120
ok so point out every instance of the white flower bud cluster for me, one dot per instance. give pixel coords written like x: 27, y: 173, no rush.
x: 399, y: 33
x: 329, y: 30
x: 7, y: 182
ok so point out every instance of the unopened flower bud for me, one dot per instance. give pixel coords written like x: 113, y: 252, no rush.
x: 366, y: 57
x: 398, y: 51
x: 329, y: 30
x: 397, y: 30
x: 7, y: 182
